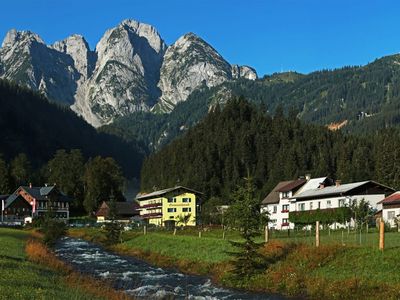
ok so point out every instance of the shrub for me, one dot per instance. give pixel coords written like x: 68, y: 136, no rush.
x: 52, y: 230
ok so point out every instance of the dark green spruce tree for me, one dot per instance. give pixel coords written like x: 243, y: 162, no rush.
x: 245, y: 215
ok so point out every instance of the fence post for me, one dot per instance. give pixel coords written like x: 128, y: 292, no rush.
x: 342, y: 238
x: 266, y: 233
x: 199, y: 234
x: 174, y: 231
x: 381, y: 235
x: 317, y: 234
x: 144, y: 230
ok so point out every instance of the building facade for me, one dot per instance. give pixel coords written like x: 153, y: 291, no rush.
x: 30, y: 202
x: 170, y: 206
x: 319, y: 194
x: 124, y: 211
x: 391, y: 209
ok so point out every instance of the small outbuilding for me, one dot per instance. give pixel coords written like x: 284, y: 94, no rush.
x: 125, y: 211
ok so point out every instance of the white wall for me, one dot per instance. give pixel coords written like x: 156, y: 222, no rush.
x: 323, y: 203
x: 389, y: 214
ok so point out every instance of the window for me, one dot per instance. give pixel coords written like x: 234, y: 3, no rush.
x: 341, y: 202
x: 186, y: 200
x: 328, y: 203
x: 285, y: 208
x: 285, y: 222
x: 171, y: 217
x: 171, y: 200
x: 391, y: 215
x: 186, y: 209
x: 319, y: 204
x: 302, y: 206
x: 311, y: 205
x: 172, y: 209
x: 285, y: 194
x: 275, y: 209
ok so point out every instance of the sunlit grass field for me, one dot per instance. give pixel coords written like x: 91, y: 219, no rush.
x: 345, y: 266
x: 22, y: 279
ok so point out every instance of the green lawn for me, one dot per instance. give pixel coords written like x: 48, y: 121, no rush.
x: 22, y: 279
x: 341, y: 268
x: 205, y: 249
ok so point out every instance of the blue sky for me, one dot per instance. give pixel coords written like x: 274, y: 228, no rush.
x: 272, y: 36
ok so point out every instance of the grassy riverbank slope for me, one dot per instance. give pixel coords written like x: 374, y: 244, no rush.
x: 28, y: 270
x: 339, y: 269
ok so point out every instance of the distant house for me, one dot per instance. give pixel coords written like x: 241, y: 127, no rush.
x: 318, y: 193
x: 391, y: 208
x: 28, y: 201
x: 125, y: 211
x: 276, y: 203
x: 165, y: 206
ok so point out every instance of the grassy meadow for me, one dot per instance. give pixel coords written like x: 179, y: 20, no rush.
x: 341, y: 268
x: 28, y: 270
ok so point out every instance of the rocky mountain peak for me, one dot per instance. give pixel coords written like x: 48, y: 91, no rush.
x: 189, y: 63
x: 13, y: 36
x: 132, y: 69
x: 77, y: 47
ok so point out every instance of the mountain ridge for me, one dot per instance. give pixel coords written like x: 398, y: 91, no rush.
x: 125, y: 73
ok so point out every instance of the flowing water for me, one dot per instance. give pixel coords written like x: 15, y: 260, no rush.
x: 141, y: 279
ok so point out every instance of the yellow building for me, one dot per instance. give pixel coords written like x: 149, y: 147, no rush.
x: 170, y: 206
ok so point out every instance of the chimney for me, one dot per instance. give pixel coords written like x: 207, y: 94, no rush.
x: 308, y: 177
x: 46, y: 184
x: 30, y: 184
x: 321, y: 185
x: 338, y: 182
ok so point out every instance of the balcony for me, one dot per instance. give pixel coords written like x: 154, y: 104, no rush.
x: 284, y: 211
x: 152, y: 205
x: 151, y: 215
x: 285, y: 224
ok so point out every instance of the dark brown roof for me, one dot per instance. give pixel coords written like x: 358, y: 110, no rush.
x: 122, y: 209
x: 273, y: 196
x: 392, y: 199
x: 292, y: 185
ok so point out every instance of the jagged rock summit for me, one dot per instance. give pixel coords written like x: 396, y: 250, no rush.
x: 131, y: 69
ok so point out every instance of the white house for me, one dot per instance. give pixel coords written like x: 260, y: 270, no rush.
x: 340, y: 195
x: 391, y: 208
x: 277, y: 203
x: 319, y: 193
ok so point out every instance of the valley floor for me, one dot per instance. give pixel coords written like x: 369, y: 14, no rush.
x: 46, y: 278
x: 340, y: 268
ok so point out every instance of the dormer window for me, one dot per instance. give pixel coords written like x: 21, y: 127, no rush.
x: 285, y: 194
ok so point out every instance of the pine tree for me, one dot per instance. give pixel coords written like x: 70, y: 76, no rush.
x: 21, y: 170
x: 245, y: 215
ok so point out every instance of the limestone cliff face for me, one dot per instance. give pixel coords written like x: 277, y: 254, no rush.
x: 25, y: 59
x: 130, y: 70
x: 126, y: 73
x: 189, y: 63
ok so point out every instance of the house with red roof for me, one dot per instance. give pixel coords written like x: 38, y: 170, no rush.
x: 391, y: 208
x: 277, y: 204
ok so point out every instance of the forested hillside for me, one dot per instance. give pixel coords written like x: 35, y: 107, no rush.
x: 30, y: 124
x: 242, y: 139
x: 368, y: 97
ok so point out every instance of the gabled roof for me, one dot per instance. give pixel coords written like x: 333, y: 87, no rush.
x: 273, y: 196
x: 333, y: 190
x: 311, y: 184
x: 392, y: 199
x: 165, y: 191
x: 39, y: 192
x: 294, y: 184
x: 11, y: 199
x: 122, y: 209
